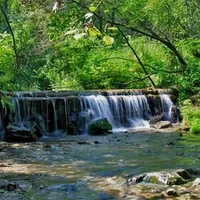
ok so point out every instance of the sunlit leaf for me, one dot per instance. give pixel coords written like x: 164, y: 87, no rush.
x: 88, y: 15
x: 93, y: 31
x: 92, y: 8
x: 113, y: 28
x: 106, y: 11
x: 71, y: 32
x: 78, y: 36
x: 108, y: 40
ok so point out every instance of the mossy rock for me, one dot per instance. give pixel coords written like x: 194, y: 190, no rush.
x: 176, y: 180
x: 153, y: 179
x: 178, y: 177
x: 99, y: 127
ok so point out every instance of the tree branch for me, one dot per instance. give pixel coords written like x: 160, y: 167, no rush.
x: 13, y: 37
x: 152, y: 34
x: 137, y: 79
x: 138, y: 58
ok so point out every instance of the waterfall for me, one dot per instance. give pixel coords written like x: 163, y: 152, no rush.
x: 125, y: 111
x: 55, y: 114
x: 73, y: 112
x: 167, y: 105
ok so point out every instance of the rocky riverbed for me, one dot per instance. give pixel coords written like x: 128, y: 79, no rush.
x: 116, y: 166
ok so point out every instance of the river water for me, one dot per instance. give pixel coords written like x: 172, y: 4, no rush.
x: 91, y: 167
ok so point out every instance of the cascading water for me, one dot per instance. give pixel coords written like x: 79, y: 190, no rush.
x: 73, y: 113
x: 167, y: 105
x: 121, y: 111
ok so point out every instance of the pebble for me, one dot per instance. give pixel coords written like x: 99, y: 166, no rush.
x: 171, y: 192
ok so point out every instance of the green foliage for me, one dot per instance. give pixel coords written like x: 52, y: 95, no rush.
x: 81, y: 47
x: 6, y: 103
x: 7, y: 60
x: 195, y: 128
x: 191, y: 115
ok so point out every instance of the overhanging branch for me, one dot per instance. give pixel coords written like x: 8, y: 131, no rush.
x: 151, y: 34
x: 138, y: 58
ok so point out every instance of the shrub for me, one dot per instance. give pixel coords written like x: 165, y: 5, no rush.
x: 191, y: 115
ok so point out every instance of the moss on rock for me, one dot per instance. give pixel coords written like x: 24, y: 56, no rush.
x: 99, y: 127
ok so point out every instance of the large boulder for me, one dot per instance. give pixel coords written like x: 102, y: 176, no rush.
x: 163, y: 125
x: 99, y: 127
x: 28, y: 131
x: 19, y: 133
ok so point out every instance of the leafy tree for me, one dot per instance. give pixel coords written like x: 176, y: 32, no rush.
x: 76, y: 44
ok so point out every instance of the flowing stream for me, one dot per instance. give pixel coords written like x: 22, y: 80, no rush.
x: 92, y: 168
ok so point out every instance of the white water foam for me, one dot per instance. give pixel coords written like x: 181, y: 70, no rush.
x: 123, y: 112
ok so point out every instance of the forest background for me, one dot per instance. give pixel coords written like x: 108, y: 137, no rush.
x: 102, y: 44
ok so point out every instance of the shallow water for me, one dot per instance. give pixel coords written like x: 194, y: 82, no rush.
x: 82, y: 167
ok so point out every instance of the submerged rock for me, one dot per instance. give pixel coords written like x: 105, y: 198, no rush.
x: 100, y: 127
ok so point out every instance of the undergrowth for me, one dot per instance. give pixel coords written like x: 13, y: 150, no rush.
x: 191, y: 116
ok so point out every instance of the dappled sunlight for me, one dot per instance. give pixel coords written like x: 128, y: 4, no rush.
x: 20, y: 145
x: 115, y: 186
x: 28, y: 169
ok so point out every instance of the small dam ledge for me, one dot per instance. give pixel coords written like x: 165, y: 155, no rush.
x: 48, y: 113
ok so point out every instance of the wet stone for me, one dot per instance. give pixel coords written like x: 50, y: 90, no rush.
x: 183, y: 190
x: 196, y: 182
x: 82, y: 142
x: 171, y: 192
x: 169, y: 178
x: 136, y: 179
x: 163, y: 124
x: 184, y: 174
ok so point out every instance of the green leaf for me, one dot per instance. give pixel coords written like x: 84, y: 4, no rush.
x: 6, y: 102
x: 113, y: 28
x: 93, y: 31
x: 92, y: 8
x: 106, y: 11
x: 108, y: 40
